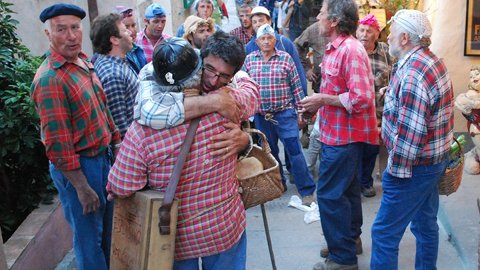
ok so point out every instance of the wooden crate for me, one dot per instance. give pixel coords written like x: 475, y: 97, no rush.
x: 136, y: 240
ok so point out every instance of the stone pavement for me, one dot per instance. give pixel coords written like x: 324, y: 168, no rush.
x: 296, y: 245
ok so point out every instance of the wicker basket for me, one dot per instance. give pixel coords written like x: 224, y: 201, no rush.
x: 263, y: 186
x: 451, y: 179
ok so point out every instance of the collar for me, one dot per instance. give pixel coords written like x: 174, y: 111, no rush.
x: 337, y: 42
x: 58, y: 60
x: 404, y: 59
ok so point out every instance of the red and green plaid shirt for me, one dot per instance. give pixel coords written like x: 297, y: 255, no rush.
x: 72, y: 107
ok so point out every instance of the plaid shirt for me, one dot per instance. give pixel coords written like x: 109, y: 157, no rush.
x: 146, y: 44
x: 418, y: 113
x: 280, y: 87
x: 346, y: 73
x: 242, y: 34
x: 147, y: 157
x: 155, y: 107
x: 120, y: 83
x: 72, y: 108
x: 381, y: 62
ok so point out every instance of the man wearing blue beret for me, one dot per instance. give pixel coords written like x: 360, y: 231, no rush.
x: 77, y: 131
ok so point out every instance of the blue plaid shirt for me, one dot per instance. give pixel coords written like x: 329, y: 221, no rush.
x: 120, y: 83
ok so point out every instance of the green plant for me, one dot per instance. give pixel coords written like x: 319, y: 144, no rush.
x: 24, y: 178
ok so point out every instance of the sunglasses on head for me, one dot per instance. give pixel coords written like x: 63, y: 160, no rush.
x: 127, y: 13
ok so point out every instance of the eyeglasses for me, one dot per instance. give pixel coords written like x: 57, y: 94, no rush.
x: 127, y: 13
x: 211, y: 72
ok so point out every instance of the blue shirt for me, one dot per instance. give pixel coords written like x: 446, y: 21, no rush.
x: 120, y: 83
x: 283, y: 44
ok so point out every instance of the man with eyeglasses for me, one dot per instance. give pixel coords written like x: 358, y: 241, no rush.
x: 281, y: 93
x: 161, y: 110
x: 210, y: 207
x: 136, y: 56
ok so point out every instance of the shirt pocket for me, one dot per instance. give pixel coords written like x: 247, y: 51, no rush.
x: 331, y: 81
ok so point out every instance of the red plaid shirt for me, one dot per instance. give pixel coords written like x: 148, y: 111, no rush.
x: 146, y: 44
x: 242, y: 34
x: 147, y: 156
x: 72, y: 108
x: 278, y: 78
x: 346, y: 73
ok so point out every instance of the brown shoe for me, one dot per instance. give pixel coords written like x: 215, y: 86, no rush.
x: 331, y: 265
x: 358, y: 244
x: 308, y: 200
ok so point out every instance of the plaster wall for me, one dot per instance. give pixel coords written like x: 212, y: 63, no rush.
x: 448, y: 22
x: 31, y: 30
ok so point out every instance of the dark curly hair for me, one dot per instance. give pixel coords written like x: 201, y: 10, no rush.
x: 346, y: 12
x: 104, y: 27
x: 225, y: 46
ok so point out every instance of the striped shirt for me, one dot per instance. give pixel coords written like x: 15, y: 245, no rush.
x: 120, y: 83
x: 418, y: 114
x: 71, y: 104
x: 146, y: 44
x: 280, y: 87
x: 346, y: 73
x: 147, y: 157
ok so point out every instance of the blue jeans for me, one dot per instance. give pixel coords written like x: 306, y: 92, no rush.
x: 339, y: 201
x: 91, y: 232
x: 287, y: 131
x: 365, y: 170
x: 234, y: 258
x: 411, y: 200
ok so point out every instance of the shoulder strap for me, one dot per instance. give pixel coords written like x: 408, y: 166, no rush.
x: 164, y: 210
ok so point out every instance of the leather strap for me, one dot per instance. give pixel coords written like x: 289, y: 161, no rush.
x: 164, y: 210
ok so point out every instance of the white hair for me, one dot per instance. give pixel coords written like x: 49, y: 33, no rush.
x: 47, y: 25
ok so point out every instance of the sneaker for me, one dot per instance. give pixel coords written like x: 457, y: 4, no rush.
x: 369, y: 192
x: 358, y: 244
x: 331, y: 265
x: 308, y: 200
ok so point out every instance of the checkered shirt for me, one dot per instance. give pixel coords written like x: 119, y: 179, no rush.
x: 155, y: 107
x: 346, y: 73
x: 71, y: 104
x: 418, y: 114
x: 147, y: 157
x: 242, y: 34
x: 146, y: 44
x: 120, y: 83
x: 280, y: 87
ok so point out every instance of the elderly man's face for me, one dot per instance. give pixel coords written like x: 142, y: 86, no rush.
x: 200, y: 36
x: 204, y: 10
x: 367, y: 35
x: 216, y: 73
x: 245, y: 18
x: 395, y: 40
x: 259, y: 20
x: 66, y: 35
x: 266, y: 43
x: 155, y: 27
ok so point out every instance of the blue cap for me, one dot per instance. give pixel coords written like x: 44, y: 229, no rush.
x: 154, y: 10
x: 61, y: 9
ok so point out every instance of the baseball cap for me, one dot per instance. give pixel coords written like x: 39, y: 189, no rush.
x: 154, y: 11
x: 260, y: 10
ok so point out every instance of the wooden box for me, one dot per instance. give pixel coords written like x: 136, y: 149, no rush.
x: 136, y: 240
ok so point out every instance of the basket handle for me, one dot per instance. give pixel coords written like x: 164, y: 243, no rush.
x: 265, y: 145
